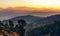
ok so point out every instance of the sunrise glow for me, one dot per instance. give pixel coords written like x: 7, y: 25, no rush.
x: 44, y: 3
x: 30, y: 3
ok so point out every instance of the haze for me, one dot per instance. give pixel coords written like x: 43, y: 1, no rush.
x: 41, y: 8
x: 22, y: 11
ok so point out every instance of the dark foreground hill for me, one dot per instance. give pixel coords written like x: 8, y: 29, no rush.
x: 48, y: 30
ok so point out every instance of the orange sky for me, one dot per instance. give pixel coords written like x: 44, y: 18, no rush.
x: 13, y: 8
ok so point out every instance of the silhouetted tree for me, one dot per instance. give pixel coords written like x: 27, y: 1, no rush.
x: 21, y: 25
x: 22, y: 22
x: 1, y: 25
x: 16, y: 29
x: 11, y: 26
x: 11, y: 23
x: 7, y: 28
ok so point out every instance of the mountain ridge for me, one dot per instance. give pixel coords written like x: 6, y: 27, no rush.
x: 34, y: 22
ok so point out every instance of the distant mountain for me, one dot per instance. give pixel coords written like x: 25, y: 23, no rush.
x: 45, y: 21
x: 49, y: 19
x: 28, y: 18
x: 34, y: 21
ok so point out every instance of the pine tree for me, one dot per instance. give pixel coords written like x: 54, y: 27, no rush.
x: 11, y: 26
x: 21, y: 25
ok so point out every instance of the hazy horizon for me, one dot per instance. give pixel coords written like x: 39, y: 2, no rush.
x: 20, y: 11
x: 14, y: 8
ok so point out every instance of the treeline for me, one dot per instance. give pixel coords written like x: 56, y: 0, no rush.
x: 48, y: 30
x: 9, y: 27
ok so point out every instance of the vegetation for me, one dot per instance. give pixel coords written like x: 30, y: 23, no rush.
x: 9, y: 30
x: 48, y: 30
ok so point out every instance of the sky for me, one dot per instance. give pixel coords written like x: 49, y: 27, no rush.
x: 13, y: 8
x: 30, y: 3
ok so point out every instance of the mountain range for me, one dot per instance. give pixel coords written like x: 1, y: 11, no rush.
x: 36, y: 21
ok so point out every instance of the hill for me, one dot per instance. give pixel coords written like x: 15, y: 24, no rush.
x: 34, y: 21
